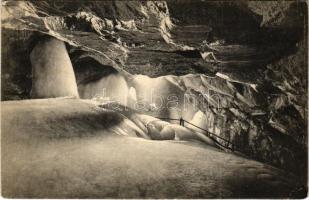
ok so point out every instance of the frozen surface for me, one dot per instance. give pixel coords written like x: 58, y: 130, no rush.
x: 69, y: 148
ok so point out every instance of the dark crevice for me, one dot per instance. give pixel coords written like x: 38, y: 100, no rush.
x: 90, y: 70
x: 189, y: 53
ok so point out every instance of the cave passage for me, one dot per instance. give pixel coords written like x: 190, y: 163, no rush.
x: 154, y: 99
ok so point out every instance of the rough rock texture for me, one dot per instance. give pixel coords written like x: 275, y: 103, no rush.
x: 251, y: 56
x: 52, y: 70
x: 16, y: 74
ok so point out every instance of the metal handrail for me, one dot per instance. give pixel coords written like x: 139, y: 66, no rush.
x: 167, y: 118
x: 209, y: 134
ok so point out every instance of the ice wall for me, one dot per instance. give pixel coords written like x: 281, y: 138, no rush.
x: 112, y: 87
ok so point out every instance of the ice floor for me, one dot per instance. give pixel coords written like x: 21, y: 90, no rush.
x: 68, y: 148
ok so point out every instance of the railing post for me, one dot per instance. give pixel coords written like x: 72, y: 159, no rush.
x: 181, y: 122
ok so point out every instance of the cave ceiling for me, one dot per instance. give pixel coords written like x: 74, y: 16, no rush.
x: 237, y: 39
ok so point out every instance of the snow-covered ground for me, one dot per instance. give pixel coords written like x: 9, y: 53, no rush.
x: 70, y: 148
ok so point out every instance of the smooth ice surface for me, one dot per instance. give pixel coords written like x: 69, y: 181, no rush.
x: 52, y: 70
x: 69, y: 148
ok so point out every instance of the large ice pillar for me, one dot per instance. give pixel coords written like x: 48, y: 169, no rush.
x: 52, y: 71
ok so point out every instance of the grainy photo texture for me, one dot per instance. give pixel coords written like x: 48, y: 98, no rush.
x: 154, y: 99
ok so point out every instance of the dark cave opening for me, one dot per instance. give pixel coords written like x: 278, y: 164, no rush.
x: 89, y: 70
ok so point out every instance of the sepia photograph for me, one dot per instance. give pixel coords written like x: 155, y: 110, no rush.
x: 174, y: 99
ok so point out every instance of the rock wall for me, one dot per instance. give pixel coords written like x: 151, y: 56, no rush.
x: 16, y: 75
